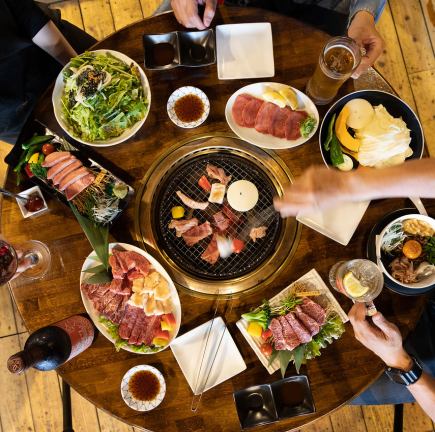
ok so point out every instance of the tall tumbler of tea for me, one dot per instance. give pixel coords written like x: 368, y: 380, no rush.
x: 339, y: 58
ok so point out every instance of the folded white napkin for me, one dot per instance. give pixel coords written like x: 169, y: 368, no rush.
x: 338, y: 223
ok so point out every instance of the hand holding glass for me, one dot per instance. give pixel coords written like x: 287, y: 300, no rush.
x: 359, y: 279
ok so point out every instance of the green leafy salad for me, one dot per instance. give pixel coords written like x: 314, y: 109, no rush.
x: 103, y: 96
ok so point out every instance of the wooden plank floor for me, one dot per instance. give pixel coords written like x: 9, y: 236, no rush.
x: 408, y: 63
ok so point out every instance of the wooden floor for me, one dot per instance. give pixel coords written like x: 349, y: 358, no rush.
x: 33, y: 402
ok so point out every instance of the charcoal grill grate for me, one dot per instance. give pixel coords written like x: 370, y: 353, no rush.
x: 185, y: 177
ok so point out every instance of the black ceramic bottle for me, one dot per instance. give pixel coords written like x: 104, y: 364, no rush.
x: 51, y: 346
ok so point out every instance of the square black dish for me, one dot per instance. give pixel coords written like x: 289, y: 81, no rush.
x: 293, y: 396
x: 197, y: 48
x: 255, y: 406
x: 161, y: 51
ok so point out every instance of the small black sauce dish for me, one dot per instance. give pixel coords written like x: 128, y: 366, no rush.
x: 255, y: 406
x: 293, y: 397
x: 161, y: 51
x: 197, y: 48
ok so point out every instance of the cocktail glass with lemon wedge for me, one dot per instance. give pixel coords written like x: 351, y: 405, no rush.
x: 361, y: 280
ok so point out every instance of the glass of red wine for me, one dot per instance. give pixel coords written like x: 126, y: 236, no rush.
x: 30, y: 260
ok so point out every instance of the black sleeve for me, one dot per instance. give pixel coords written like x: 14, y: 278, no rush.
x: 29, y: 17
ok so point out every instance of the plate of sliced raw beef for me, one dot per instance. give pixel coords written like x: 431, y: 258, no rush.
x: 266, y: 124
x: 138, y: 309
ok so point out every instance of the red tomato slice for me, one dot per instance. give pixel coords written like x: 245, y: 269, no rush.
x: 238, y: 245
x: 204, y: 183
x: 266, y: 334
x: 28, y: 172
x: 266, y: 349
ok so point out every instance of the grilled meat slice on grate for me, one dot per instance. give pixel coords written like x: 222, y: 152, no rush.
x: 222, y: 223
x: 181, y: 226
x: 257, y: 233
x: 218, y: 174
x: 211, y: 254
x: 196, y: 205
x: 196, y: 234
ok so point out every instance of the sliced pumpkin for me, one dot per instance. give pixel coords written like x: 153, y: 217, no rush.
x: 346, y: 139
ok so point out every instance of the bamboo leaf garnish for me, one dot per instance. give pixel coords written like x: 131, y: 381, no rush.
x: 96, y: 269
x: 273, y: 356
x: 299, y: 356
x: 284, y: 359
x: 99, y: 278
x: 97, y: 235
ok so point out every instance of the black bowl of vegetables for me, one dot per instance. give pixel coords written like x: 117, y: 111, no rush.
x: 370, y: 128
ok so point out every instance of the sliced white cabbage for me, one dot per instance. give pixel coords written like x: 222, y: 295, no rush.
x: 384, y: 141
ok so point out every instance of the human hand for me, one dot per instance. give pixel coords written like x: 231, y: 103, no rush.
x: 318, y: 188
x: 24, y: 263
x: 186, y: 12
x: 363, y: 31
x: 382, y: 337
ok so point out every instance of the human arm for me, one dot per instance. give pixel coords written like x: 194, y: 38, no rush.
x: 319, y: 188
x: 186, y: 12
x: 32, y: 21
x: 362, y: 17
x: 384, y: 339
x: 52, y: 41
x: 374, y: 7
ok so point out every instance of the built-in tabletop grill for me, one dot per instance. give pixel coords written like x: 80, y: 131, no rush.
x: 185, y: 178
x: 180, y: 169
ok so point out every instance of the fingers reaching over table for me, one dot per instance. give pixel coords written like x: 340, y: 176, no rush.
x: 210, y: 9
x: 363, y: 30
x: 381, y: 336
x: 186, y: 12
x: 317, y: 188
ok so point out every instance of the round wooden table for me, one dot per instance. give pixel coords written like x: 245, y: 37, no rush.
x: 344, y: 369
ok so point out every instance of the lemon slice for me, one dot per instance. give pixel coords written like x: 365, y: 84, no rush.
x: 275, y: 98
x: 353, y: 286
x: 290, y: 97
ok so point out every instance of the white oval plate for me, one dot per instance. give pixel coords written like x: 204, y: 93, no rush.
x: 264, y: 140
x: 184, y: 91
x: 424, y: 284
x: 56, y: 100
x: 136, y: 404
x: 92, y: 261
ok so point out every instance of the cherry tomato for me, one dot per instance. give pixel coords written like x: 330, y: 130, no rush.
x: 27, y: 171
x: 266, y: 349
x: 266, y: 334
x: 48, y: 148
x: 238, y: 245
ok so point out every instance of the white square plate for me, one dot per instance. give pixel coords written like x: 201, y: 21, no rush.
x: 26, y: 194
x: 310, y: 281
x: 189, y: 348
x: 338, y: 223
x: 236, y: 57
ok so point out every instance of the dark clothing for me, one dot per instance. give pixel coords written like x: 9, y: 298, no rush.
x: 330, y: 21
x: 421, y: 344
x: 25, y: 69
